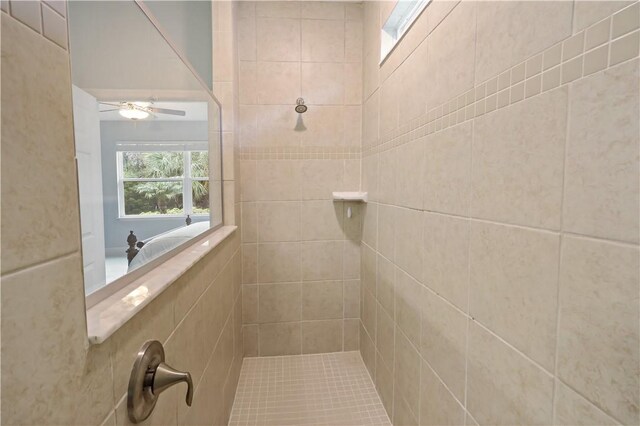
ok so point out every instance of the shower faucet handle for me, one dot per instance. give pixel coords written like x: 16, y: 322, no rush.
x: 150, y: 376
x: 165, y: 376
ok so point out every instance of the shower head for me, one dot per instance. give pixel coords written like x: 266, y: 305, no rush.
x: 300, y: 106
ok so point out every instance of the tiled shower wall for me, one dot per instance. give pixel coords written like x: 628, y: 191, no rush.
x: 300, y: 250
x: 500, y: 248
x: 50, y: 373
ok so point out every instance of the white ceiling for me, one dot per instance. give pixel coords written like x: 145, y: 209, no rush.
x: 195, y: 111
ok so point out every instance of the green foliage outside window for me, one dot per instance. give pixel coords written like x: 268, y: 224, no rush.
x: 164, y: 197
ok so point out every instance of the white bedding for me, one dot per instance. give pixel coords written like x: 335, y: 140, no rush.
x: 165, y: 242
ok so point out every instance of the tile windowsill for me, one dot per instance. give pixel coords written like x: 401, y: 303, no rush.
x: 107, y: 316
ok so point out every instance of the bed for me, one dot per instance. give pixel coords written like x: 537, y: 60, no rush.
x: 141, y: 252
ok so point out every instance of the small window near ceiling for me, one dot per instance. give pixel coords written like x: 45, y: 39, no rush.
x: 403, y: 15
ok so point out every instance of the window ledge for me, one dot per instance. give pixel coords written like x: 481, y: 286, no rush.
x: 107, y: 316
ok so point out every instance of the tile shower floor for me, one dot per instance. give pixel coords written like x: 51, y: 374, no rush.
x: 322, y: 389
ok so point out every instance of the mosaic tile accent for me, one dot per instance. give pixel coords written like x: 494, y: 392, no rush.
x: 605, y: 44
x: 322, y: 389
x: 301, y: 153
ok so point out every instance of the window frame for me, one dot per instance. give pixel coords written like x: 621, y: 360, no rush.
x: 405, y: 21
x: 186, y: 179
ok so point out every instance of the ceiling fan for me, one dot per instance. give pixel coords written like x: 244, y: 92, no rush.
x: 139, y: 110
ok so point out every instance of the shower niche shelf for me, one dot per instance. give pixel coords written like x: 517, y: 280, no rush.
x: 350, y: 196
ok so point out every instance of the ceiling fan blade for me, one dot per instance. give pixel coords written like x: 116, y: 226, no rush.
x: 109, y: 110
x: 110, y: 104
x: 167, y: 111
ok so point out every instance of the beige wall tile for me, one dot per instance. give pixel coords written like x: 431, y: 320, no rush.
x: 447, y: 169
x: 323, y: 83
x: 250, y: 340
x: 518, y: 155
x: 321, y: 336
x: 444, y: 341
x: 248, y: 125
x: 385, y: 286
x: 369, y: 272
x: 409, y: 178
x: 451, y: 52
x: 409, y: 241
x: 322, y: 300
x: 437, y: 405
x: 367, y: 350
x: 46, y: 303
x: 277, y: 82
x: 406, y: 374
x: 384, y: 385
x: 354, y: 12
x: 351, y: 335
x: 249, y: 263
x: 385, y: 337
x: 246, y: 39
x: 370, y: 225
x: 322, y: 260
x: 573, y: 409
x: 278, y: 9
x: 27, y: 240
x: 321, y: 220
x: 322, y: 41
x: 587, y: 13
x: 503, y: 387
x: 275, y: 126
x: 249, y: 222
x: 353, y: 41
x: 353, y: 83
x: 387, y: 176
x: 324, y: 126
x: 247, y: 83
x: 279, y: 302
x: 386, y: 230
x: 249, y: 304
x: 322, y: 10
x: 389, y: 100
x: 510, y: 32
x: 416, y: 85
x: 370, y: 177
x: 603, y: 137
x: 278, y: 39
x: 370, y: 119
x: 278, y: 221
x: 514, y: 286
x: 278, y: 180
x: 598, y: 338
x: 446, y: 257
x: 280, y: 339
x: 408, y: 306
x: 320, y: 178
x: 369, y: 314
x: 279, y: 262
x: 352, y: 135
x: 351, y: 299
x: 248, y: 180
x: 351, y: 268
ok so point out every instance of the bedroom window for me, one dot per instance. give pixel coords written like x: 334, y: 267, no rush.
x: 163, y: 183
x: 400, y: 20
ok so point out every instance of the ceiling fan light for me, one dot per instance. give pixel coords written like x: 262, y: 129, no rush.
x: 133, y: 113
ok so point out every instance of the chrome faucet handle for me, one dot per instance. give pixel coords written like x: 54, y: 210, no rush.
x: 150, y: 376
x: 166, y: 376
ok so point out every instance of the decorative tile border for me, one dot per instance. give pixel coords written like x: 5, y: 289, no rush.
x: 605, y: 44
x: 301, y: 153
